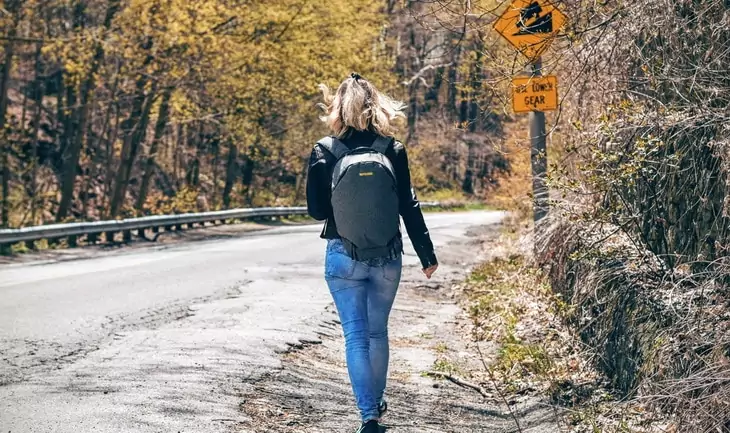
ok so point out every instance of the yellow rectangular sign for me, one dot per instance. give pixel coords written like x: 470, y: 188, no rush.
x: 535, y: 94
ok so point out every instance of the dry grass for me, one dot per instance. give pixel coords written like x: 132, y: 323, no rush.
x: 511, y: 303
x: 662, y: 336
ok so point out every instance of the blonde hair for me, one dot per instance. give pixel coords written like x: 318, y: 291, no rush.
x: 358, y: 105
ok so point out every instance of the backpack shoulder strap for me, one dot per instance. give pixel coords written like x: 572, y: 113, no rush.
x: 382, y: 144
x: 334, y: 146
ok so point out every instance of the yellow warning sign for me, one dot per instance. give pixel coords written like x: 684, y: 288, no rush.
x: 530, y: 25
x: 535, y: 94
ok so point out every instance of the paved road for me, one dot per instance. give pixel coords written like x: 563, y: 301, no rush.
x: 163, y: 339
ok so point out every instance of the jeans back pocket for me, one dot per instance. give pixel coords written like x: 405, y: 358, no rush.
x: 392, y: 269
x: 337, y: 263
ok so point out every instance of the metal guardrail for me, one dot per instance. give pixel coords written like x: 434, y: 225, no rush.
x: 57, y: 231
x: 91, y: 230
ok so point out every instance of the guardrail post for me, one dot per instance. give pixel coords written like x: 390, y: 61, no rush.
x: 73, y: 241
x: 109, y: 236
x: 140, y: 233
x: 155, y: 229
x: 6, y: 249
x: 190, y: 225
x: 92, y: 238
x: 127, y: 236
x: 168, y: 228
x: 29, y: 245
x: 178, y: 227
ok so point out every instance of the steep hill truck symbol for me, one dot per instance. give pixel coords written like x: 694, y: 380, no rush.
x: 541, y: 23
x: 530, y: 26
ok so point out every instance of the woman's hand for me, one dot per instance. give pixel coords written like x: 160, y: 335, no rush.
x: 430, y: 270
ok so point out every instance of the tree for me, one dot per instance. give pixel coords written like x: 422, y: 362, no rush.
x: 13, y: 8
x: 75, y: 128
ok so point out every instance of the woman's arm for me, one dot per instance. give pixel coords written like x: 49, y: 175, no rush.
x: 319, y: 205
x: 410, y: 209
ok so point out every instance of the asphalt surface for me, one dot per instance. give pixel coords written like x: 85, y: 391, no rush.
x: 162, y: 339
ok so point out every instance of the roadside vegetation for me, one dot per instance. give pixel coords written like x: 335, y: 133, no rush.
x: 616, y: 307
x: 638, y: 242
x: 537, y: 352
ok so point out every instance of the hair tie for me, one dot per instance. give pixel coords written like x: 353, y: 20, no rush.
x: 356, y: 76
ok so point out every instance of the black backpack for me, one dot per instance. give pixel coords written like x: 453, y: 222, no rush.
x: 365, y: 198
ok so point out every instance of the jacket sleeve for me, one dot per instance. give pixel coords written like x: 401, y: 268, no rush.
x: 319, y: 205
x: 410, y: 210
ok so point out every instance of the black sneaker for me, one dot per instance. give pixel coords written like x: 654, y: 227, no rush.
x: 382, y: 408
x: 371, y: 426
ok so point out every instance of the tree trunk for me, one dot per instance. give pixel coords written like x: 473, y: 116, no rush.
x: 301, y: 180
x: 105, y: 140
x: 432, y: 95
x: 6, y: 67
x: 463, y: 109
x: 215, y: 164
x: 476, y: 88
x: 177, y: 159
x: 109, y: 154
x: 149, y: 169
x: 4, y: 159
x: 192, y: 177
x: 133, y: 130
x: 61, y: 119
x: 247, y: 176
x: 23, y: 113
x: 412, y: 110
x: 91, y: 169
x: 72, y: 153
x: 453, y: 79
x: 133, y: 133
x: 38, y: 93
x: 468, y: 184
x: 231, y: 171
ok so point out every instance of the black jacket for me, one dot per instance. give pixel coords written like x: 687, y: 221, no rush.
x: 319, y: 192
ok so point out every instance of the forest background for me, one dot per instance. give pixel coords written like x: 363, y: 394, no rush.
x: 121, y: 108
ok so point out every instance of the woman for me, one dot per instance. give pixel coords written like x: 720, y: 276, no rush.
x: 364, y: 290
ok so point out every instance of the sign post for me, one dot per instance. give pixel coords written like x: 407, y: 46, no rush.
x: 530, y: 26
x: 538, y: 155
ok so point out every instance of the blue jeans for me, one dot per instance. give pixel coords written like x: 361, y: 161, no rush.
x: 364, y: 293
